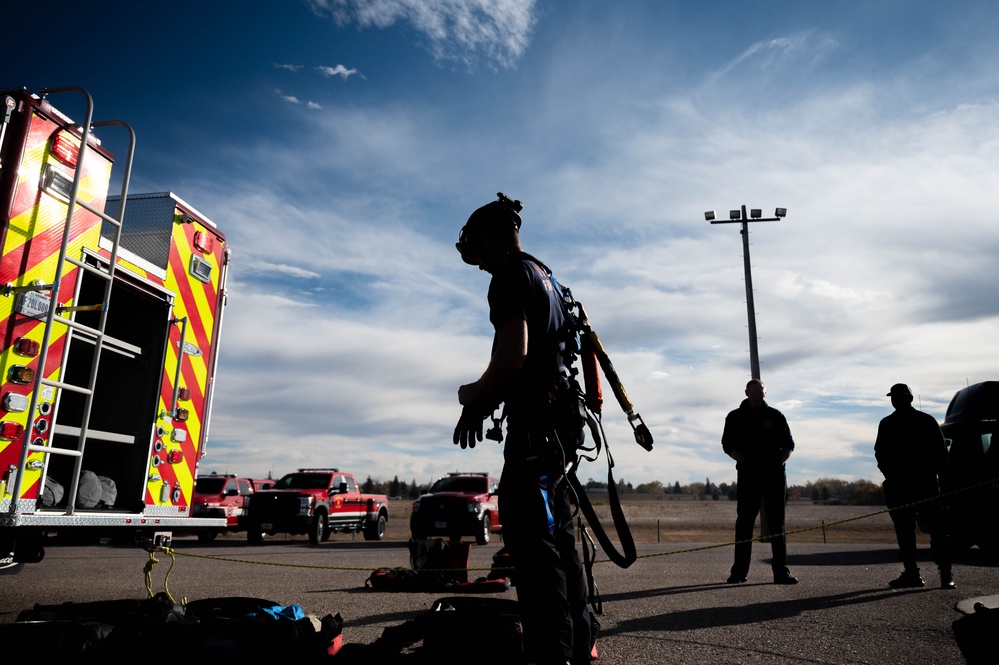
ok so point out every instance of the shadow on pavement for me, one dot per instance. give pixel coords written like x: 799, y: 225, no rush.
x: 717, y: 617
x: 867, y: 557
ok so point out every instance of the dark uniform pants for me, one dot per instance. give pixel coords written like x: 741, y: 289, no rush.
x: 548, y: 574
x: 904, y: 517
x: 766, y: 488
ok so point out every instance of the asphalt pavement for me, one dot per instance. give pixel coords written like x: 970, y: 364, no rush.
x: 670, y: 606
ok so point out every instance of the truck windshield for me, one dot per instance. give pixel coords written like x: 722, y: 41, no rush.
x: 303, y: 481
x: 458, y: 484
x: 209, y: 485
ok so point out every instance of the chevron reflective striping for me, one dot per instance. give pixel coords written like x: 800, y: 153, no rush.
x: 199, y: 303
x: 30, y: 254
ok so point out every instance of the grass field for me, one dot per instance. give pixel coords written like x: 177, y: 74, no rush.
x: 690, y: 521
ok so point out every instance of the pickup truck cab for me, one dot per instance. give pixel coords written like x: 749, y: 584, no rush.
x: 459, y: 504
x: 971, y: 428
x: 222, y: 496
x: 316, y: 502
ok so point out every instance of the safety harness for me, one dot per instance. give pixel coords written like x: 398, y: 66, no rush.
x: 582, y: 341
x: 582, y: 404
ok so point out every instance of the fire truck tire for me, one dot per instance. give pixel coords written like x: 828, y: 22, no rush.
x: 375, y: 530
x: 254, y: 535
x: 11, y: 568
x: 318, y: 529
x: 207, y: 536
x: 482, y: 537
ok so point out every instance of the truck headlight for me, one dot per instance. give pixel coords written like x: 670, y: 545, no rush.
x: 305, y: 504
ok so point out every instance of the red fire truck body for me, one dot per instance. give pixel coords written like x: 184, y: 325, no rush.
x: 110, y: 313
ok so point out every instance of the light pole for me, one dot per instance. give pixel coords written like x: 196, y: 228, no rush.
x: 755, y: 215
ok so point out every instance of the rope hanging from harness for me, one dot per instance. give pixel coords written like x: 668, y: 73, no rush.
x: 580, y: 340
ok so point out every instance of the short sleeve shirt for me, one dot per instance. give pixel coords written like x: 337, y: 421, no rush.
x: 522, y: 290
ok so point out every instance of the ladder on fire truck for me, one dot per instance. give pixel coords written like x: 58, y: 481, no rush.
x: 54, y: 310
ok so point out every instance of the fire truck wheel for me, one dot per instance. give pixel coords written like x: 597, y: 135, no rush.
x: 482, y: 537
x: 375, y: 530
x: 254, y: 535
x: 11, y: 568
x: 207, y: 536
x: 318, y: 529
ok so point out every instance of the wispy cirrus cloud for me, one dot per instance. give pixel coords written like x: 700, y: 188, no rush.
x: 463, y: 31
x: 292, y: 99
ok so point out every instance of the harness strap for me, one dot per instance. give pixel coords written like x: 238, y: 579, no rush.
x: 589, y: 549
x: 628, y: 555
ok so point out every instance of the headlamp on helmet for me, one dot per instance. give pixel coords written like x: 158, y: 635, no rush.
x: 493, y: 215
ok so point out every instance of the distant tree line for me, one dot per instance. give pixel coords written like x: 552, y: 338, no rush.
x: 832, y: 491
x: 395, y: 488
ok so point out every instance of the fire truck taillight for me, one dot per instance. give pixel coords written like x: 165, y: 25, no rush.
x: 21, y: 374
x: 11, y: 431
x: 204, y: 242
x: 66, y: 148
x: 184, y: 394
x: 175, y: 456
x: 181, y: 414
x: 27, y: 347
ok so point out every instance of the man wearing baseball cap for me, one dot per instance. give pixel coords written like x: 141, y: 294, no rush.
x: 912, y: 455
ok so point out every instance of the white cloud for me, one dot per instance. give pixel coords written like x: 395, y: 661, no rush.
x: 289, y: 270
x: 464, y: 31
x: 292, y: 99
x: 880, y: 272
x: 338, y: 70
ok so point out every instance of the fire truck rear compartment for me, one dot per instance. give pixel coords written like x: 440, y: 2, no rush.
x: 126, y: 394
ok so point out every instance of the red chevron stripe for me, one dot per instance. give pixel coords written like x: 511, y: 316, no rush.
x: 194, y: 323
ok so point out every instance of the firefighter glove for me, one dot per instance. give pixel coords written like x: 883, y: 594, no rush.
x: 469, y: 428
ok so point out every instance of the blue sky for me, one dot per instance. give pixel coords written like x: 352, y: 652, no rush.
x: 340, y: 145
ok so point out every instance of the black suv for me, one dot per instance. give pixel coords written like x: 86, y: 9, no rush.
x: 460, y: 504
x: 969, y: 428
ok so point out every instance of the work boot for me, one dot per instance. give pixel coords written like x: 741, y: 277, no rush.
x: 947, y: 580
x: 785, y: 578
x: 735, y: 579
x: 909, y: 579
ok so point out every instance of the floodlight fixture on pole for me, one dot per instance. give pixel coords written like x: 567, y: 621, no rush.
x: 755, y: 215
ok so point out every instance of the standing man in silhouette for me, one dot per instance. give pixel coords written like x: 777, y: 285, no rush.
x: 912, y: 455
x: 758, y: 438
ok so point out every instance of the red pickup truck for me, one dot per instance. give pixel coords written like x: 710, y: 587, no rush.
x: 223, y: 496
x: 460, y: 504
x: 316, y: 502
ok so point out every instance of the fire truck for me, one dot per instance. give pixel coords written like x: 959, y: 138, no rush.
x: 111, y: 308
